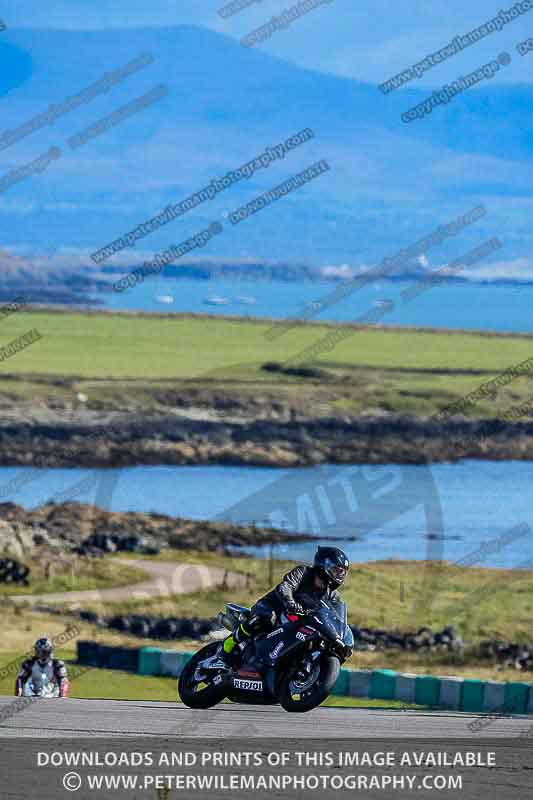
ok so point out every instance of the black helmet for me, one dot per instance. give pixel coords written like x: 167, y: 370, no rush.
x: 333, y: 563
x: 43, y: 649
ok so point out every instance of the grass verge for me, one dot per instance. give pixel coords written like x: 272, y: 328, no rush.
x: 80, y: 575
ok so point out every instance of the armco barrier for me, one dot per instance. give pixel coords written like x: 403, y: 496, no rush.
x: 427, y: 690
x: 405, y: 688
x: 125, y: 658
x: 342, y: 686
x: 516, y: 698
x: 472, y: 695
x: 171, y: 662
x: 105, y: 652
x: 359, y: 682
x: 448, y: 692
x: 149, y: 661
x: 493, y: 697
x: 89, y: 653
x: 383, y: 684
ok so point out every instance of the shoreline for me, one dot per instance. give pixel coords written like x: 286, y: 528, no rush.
x: 136, y: 440
x: 283, y: 322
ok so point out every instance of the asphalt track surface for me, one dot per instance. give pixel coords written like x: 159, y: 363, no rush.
x: 86, y: 718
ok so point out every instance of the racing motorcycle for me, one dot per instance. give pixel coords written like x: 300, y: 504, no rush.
x: 295, y: 665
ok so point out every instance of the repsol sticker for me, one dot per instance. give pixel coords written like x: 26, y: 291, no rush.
x: 250, y: 686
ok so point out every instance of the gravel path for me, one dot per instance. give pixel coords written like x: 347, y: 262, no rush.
x: 164, y: 578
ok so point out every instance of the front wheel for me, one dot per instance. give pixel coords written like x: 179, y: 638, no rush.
x: 192, y: 689
x: 297, y: 694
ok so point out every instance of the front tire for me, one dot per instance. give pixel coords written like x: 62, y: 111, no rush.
x: 311, y: 696
x: 192, y: 693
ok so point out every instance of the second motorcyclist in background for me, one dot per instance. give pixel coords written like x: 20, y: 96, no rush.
x: 307, y: 584
x: 42, y: 669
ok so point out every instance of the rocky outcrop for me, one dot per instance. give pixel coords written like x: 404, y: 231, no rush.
x: 19, y: 540
x: 175, y: 440
x: 88, y: 530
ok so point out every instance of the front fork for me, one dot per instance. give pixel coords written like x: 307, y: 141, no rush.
x: 307, y: 665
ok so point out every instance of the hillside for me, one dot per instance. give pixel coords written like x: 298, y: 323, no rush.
x: 223, y: 110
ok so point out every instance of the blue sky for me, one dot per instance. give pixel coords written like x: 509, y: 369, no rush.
x: 367, y: 41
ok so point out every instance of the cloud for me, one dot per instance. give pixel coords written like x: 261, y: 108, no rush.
x: 519, y: 269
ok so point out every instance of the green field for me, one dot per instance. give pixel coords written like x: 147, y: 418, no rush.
x: 144, y: 360
x: 154, y: 347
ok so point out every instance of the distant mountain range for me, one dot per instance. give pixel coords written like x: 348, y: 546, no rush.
x: 390, y: 183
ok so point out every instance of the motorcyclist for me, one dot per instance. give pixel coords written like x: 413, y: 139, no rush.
x: 302, y: 587
x: 43, y: 668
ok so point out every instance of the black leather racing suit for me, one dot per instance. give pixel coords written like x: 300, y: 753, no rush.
x: 297, y: 586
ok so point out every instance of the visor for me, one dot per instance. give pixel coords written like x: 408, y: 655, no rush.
x: 339, y: 573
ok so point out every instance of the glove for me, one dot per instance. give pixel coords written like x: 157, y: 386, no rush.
x: 295, y: 608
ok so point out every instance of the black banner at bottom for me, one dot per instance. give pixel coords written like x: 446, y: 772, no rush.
x: 168, y: 769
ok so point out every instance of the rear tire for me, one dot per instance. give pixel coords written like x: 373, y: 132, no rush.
x: 316, y: 694
x: 203, y: 698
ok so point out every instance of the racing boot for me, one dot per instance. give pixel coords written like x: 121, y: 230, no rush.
x: 230, y: 649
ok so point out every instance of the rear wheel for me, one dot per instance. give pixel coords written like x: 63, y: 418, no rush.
x: 303, y: 694
x: 195, y: 686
